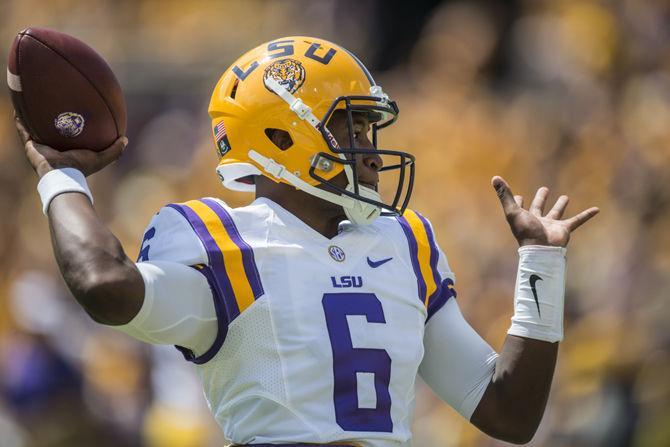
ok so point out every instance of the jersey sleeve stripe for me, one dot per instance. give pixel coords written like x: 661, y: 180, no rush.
x: 413, y: 254
x: 215, y: 257
x: 446, y: 291
x: 426, y: 254
x: 434, y: 253
x: 221, y: 317
x: 248, y: 259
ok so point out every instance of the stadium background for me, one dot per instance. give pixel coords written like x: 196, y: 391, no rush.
x: 574, y: 95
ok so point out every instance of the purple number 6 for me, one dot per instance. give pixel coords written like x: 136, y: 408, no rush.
x: 347, y: 361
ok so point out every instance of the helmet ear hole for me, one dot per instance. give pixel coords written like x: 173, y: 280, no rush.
x: 279, y: 138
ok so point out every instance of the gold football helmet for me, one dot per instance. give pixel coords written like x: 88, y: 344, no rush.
x: 295, y: 84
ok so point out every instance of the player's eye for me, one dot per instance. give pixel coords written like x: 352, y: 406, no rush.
x: 359, y: 132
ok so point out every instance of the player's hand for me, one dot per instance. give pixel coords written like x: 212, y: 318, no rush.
x: 532, y: 226
x: 44, y: 158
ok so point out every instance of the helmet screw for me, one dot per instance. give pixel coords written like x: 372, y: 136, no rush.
x: 322, y: 163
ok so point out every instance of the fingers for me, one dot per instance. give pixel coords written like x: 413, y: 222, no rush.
x: 558, y: 209
x: 114, y: 151
x: 537, y: 205
x: 578, y: 220
x: 504, y: 194
x: 519, y: 200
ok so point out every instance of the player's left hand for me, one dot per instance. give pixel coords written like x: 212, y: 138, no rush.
x: 532, y: 226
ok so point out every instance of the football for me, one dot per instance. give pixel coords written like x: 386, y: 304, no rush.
x: 64, y: 92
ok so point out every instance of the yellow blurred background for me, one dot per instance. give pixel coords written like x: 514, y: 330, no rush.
x: 574, y: 95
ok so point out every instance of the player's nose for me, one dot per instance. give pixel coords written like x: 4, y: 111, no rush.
x: 369, y: 165
x: 373, y: 161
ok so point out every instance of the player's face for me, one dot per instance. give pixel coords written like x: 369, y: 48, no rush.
x: 367, y: 165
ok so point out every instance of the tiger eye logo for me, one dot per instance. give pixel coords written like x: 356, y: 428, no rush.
x: 69, y: 124
x: 288, y: 72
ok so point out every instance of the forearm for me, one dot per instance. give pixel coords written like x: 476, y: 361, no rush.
x: 514, y: 402
x: 92, y: 261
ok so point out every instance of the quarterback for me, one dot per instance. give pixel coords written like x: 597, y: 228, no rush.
x: 309, y: 313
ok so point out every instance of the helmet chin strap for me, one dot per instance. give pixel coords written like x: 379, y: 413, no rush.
x: 357, y: 211
x: 363, y: 213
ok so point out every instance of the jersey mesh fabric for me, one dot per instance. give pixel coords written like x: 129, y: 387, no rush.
x: 244, y: 383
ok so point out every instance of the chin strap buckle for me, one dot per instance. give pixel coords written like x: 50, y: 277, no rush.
x: 274, y: 168
x: 296, y: 105
x: 300, y: 108
x: 269, y: 165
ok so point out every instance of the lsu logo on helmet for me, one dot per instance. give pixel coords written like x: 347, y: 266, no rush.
x: 288, y: 72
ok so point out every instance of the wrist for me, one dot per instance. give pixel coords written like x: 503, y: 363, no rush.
x: 539, y: 293
x: 60, y: 181
x: 43, y: 169
x: 533, y: 241
x: 543, y: 250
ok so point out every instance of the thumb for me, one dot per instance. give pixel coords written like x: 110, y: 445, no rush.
x: 114, y: 151
x: 24, y: 136
x: 504, y: 194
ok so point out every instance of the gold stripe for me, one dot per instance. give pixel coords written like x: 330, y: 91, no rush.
x: 232, y: 255
x: 422, y: 243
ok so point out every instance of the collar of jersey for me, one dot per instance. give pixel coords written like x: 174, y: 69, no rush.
x: 295, y: 225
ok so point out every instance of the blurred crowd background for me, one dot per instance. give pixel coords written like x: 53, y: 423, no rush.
x: 574, y: 95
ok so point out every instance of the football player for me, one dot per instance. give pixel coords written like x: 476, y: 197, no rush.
x: 309, y: 313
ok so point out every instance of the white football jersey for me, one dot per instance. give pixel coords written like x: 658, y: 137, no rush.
x: 319, y: 339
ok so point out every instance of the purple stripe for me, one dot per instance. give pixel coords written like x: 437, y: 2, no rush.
x: 215, y: 257
x: 433, y: 256
x: 221, y: 318
x: 414, y: 256
x: 248, y: 260
x: 440, y: 300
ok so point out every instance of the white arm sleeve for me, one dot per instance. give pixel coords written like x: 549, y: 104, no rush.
x: 178, y: 308
x: 458, y: 364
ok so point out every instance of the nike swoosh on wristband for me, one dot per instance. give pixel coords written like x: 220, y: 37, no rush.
x: 532, y: 280
x: 375, y: 264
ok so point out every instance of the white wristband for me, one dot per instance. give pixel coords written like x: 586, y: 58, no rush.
x: 539, y: 293
x: 60, y: 181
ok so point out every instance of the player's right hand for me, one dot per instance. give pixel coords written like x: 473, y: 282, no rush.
x: 44, y: 158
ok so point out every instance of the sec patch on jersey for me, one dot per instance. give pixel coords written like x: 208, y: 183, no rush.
x: 64, y: 92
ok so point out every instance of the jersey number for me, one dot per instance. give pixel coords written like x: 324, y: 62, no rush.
x: 347, y: 361
x: 144, y: 246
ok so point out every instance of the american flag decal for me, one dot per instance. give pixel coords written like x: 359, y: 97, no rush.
x: 222, y: 144
x: 219, y: 131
